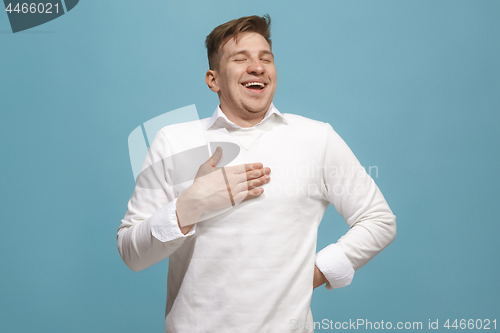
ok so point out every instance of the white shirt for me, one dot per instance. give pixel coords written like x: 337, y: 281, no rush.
x: 250, y: 269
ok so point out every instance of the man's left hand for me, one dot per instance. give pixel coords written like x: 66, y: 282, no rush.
x: 319, y: 278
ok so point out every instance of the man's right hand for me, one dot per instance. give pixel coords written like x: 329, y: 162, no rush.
x: 210, y: 189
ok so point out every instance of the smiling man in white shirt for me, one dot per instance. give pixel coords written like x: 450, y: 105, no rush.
x: 251, y: 267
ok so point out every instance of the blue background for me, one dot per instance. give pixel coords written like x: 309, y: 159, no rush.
x: 412, y: 86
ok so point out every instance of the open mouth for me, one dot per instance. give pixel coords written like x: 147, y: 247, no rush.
x: 254, y: 85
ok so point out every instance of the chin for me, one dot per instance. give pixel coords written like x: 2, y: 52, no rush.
x: 257, y: 108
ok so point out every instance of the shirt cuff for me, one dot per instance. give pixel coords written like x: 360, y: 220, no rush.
x: 335, y: 266
x: 164, y: 224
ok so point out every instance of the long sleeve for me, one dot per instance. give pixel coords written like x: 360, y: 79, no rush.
x: 357, y: 198
x: 149, y: 232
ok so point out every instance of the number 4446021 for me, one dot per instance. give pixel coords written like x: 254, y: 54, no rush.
x: 33, y: 8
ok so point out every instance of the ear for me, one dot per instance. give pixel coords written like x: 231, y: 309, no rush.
x: 211, y: 80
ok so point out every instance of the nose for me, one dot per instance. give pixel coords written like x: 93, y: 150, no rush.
x: 255, y: 67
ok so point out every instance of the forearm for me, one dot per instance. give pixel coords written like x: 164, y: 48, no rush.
x: 143, y: 243
x: 139, y: 249
x: 367, y: 238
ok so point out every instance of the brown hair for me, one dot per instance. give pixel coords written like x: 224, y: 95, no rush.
x: 220, y: 35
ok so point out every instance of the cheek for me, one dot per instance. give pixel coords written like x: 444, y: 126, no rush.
x: 273, y: 74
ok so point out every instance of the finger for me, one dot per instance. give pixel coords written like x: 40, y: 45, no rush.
x: 245, y: 167
x: 258, y: 182
x: 209, y: 165
x: 253, y: 174
x: 245, y: 195
x: 254, y: 193
x: 215, y: 158
x: 250, y: 185
x: 253, y: 166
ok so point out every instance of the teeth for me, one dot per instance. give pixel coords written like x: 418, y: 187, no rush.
x: 254, y: 84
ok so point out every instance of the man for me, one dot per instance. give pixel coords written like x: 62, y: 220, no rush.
x: 252, y: 266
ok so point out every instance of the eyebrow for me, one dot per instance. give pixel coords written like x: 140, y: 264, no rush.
x: 268, y: 52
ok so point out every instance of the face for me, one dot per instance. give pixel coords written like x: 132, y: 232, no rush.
x: 245, y: 80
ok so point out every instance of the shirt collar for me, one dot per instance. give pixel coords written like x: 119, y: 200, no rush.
x: 219, y: 119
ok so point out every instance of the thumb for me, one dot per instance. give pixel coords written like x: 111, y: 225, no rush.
x: 216, y: 157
